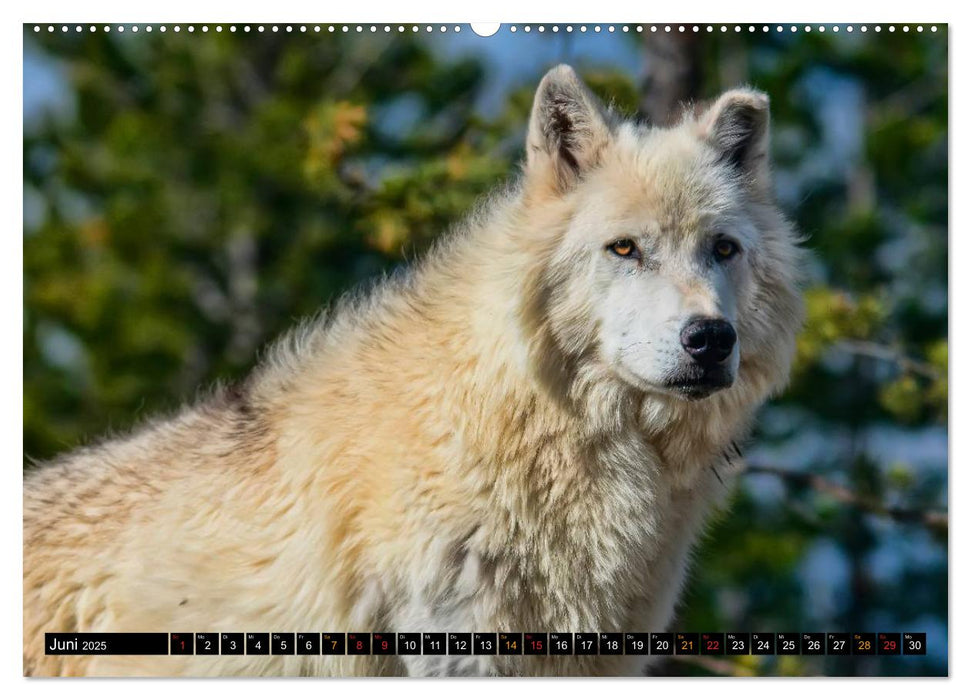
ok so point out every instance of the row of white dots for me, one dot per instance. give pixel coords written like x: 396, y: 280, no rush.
x: 247, y: 28
x: 725, y: 28
x: 513, y: 28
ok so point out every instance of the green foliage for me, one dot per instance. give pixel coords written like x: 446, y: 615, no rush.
x: 209, y: 191
x: 831, y: 316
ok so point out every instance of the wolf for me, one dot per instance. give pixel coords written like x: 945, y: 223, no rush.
x: 523, y: 432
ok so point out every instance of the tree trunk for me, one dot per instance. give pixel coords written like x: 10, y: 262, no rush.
x: 672, y: 76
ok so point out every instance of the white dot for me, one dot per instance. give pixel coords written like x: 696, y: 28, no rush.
x: 878, y: 28
x: 863, y: 28
x: 120, y: 29
x: 555, y: 28
x: 906, y: 28
x: 724, y: 28
x: 512, y: 28
x: 737, y: 28
x: 569, y: 28
x: 653, y: 28
x: 626, y: 28
x: 134, y: 29
x: 933, y: 29
x: 778, y: 28
x: 792, y: 28
x: 850, y: 28
x: 610, y: 28
x: 640, y: 28
x: 597, y: 28
x: 822, y: 28
x: 836, y: 28
x: 920, y: 28
x: 892, y: 28
x: 458, y: 28
x: 527, y: 29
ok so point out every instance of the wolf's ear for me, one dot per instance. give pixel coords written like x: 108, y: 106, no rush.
x: 567, y: 128
x: 737, y: 126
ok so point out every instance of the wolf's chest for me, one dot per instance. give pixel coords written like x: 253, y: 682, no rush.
x: 610, y: 565
x: 613, y: 561
x: 594, y: 557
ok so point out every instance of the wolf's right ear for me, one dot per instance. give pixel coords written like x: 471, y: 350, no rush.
x: 567, y: 129
x: 737, y: 126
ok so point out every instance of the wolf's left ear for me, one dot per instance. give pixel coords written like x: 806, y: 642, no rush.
x: 567, y: 128
x: 737, y: 126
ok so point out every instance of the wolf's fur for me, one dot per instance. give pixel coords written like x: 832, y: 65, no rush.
x: 493, y: 441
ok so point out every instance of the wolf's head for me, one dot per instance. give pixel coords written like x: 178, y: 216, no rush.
x: 665, y: 267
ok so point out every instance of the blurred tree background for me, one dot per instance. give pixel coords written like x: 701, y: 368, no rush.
x: 189, y: 196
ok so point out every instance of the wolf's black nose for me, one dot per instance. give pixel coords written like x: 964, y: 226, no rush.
x: 708, y: 341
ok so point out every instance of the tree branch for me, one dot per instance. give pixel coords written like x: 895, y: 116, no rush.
x: 885, y: 352
x: 934, y: 520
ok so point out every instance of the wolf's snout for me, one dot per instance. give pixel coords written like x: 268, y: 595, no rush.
x: 708, y: 341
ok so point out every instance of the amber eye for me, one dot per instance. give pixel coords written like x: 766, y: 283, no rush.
x: 725, y: 249
x: 624, y: 248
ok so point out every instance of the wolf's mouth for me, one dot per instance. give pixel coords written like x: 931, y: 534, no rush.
x: 694, y: 389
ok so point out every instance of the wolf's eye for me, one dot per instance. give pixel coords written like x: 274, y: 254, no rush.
x: 725, y: 249
x: 624, y: 248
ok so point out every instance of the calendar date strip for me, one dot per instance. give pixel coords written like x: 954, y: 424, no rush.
x: 488, y: 643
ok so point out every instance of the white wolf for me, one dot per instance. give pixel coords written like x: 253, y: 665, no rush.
x: 516, y: 435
